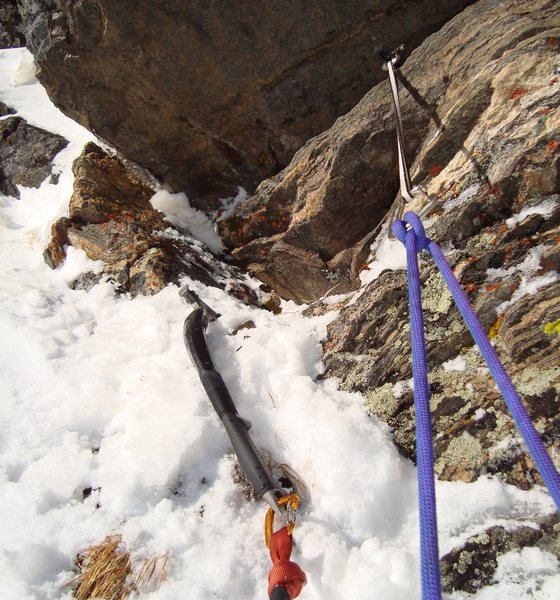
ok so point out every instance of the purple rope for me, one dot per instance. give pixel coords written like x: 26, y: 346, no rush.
x: 415, y: 241
x: 429, y: 550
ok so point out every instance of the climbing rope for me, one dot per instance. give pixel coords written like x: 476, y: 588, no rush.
x: 429, y: 551
x: 410, y: 232
x: 286, y: 579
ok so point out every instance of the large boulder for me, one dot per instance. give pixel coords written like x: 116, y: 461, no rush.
x: 210, y: 96
x: 308, y: 229
x: 26, y: 153
x: 111, y: 218
x: 497, y: 216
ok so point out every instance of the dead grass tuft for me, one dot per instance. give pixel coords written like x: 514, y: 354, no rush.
x: 106, y: 572
x: 281, y: 472
x: 152, y: 574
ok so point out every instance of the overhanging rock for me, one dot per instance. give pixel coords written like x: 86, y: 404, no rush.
x: 212, y: 95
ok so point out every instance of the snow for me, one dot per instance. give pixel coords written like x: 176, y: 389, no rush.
x: 179, y: 212
x: 389, y: 254
x: 455, y: 364
x: 20, y: 90
x: 229, y: 204
x: 479, y: 414
x: 530, y: 282
x: 401, y: 387
x: 26, y: 71
x: 528, y: 267
x: 544, y: 208
x: 98, y: 392
x: 463, y: 197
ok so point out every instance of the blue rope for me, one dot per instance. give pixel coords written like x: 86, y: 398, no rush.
x: 429, y: 550
x: 415, y: 241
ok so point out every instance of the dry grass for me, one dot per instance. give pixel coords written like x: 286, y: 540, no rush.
x: 277, y: 470
x: 106, y: 572
x: 152, y: 574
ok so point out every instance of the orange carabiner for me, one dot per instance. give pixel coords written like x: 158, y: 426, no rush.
x: 292, y: 502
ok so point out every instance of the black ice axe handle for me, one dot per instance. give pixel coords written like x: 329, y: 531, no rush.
x: 236, y: 427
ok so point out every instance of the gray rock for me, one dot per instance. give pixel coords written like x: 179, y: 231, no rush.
x: 507, y: 163
x: 26, y: 153
x: 11, y: 34
x: 467, y: 79
x: 368, y: 348
x: 209, y: 96
x: 473, y: 565
x: 111, y: 219
x: 6, y: 110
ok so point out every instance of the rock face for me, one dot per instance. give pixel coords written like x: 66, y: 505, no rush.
x: 473, y: 565
x: 322, y: 208
x: 6, y: 110
x: 111, y: 219
x: 489, y: 158
x: 497, y: 216
x: 26, y: 153
x: 209, y: 96
x: 11, y: 35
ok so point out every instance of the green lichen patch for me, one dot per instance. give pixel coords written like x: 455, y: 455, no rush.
x: 384, y: 401
x: 436, y: 298
x: 462, y: 460
x: 437, y: 334
x: 533, y: 381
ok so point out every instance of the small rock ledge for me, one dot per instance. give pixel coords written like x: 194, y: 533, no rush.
x: 111, y: 219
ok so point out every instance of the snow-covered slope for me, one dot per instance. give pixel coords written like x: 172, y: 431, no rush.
x: 98, y: 392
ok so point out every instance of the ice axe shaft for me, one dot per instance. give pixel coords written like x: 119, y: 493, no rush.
x: 236, y: 427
